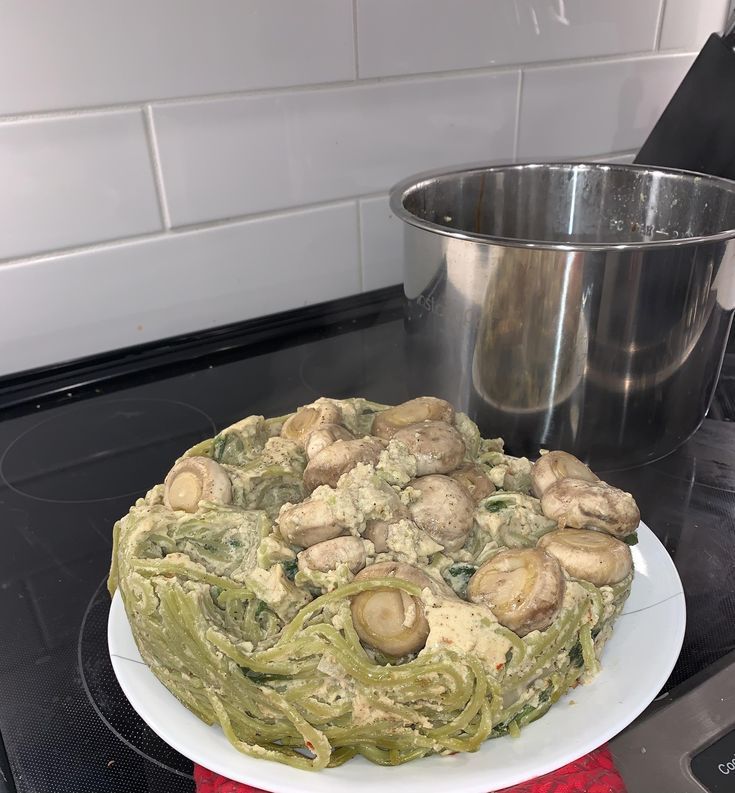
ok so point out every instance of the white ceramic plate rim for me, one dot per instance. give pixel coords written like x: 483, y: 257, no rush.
x: 636, y: 663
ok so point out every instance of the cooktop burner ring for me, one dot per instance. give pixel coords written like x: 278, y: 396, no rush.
x: 159, y: 416
x: 102, y: 680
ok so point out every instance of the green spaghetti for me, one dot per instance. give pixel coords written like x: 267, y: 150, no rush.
x: 354, y: 579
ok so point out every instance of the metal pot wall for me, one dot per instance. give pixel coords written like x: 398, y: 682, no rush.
x: 574, y: 306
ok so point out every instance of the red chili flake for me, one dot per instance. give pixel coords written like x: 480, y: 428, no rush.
x: 310, y: 746
x: 499, y: 666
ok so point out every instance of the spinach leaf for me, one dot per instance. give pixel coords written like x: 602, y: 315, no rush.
x: 290, y: 568
x: 458, y: 576
x: 575, y: 654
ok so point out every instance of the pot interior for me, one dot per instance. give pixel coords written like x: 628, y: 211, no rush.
x: 570, y: 204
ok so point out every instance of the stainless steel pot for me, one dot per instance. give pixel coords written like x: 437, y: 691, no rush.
x: 573, y: 306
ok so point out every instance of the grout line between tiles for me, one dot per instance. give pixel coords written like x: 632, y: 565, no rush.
x: 156, y: 165
x: 63, y: 113
x: 172, y: 231
x: 355, y: 39
x: 361, y: 273
x: 175, y: 231
x: 517, y: 136
x: 659, y: 27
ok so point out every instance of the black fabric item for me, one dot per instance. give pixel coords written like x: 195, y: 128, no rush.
x: 696, y: 132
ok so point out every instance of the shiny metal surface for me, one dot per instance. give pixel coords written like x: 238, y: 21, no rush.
x: 575, y: 306
x: 656, y: 751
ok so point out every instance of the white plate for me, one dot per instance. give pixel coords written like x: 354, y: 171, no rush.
x: 635, y: 665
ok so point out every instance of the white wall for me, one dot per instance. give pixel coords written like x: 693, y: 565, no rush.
x: 173, y: 165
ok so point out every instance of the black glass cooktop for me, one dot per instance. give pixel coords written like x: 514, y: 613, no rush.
x: 79, y: 443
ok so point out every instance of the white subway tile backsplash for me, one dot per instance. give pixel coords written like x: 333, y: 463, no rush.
x: 301, y: 114
x: 414, y: 36
x: 78, y: 304
x: 92, y: 52
x: 244, y: 155
x: 72, y: 181
x: 573, y: 111
x: 688, y: 23
x: 381, y: 241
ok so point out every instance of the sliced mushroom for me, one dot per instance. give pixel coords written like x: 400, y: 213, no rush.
x: 552, y: 467
x: 524, y: 589
x: 338, y: 458
x: 591, y: 505
x: 325, y: 436
x: 589, y: 555
x: 388, y: 422
x: 390, y: 620
x: 308, y: 523
x: 309, y: 418
x: 327, y: 555
x: 444, y: 511
x: 196, y: 479
x: 436, y: 445
x: 475, y: 481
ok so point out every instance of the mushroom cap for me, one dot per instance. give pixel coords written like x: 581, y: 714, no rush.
x: 437, y: 446
x: 326, y: 467
x: 523, y: 587
x: 553, y: 466
x: 591, y: 505
x: 388, y: 422
x: 376, y: 530
x: 475, y: 481
x: 308, y: 523
x: 325, y: 436
x: 327, y: 555
x: 309, y: 418
x: 589, y: 555
x: 195, y: 479
x: 390, y: 620
x: 444, y: 511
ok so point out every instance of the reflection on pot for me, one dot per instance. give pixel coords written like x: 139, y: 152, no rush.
x: 532, y: 341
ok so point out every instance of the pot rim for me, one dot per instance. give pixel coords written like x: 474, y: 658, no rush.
x: 405, y: 187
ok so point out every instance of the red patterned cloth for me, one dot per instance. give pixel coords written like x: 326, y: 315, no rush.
x: 593, y: 773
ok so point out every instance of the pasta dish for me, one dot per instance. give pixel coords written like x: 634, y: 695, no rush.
x: 358, y: 579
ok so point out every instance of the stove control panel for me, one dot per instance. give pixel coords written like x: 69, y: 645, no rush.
x: 714, y: 767
x: 685, y: 742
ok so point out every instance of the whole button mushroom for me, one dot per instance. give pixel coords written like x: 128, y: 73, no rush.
x: 376, y: 530
x: 338, y: 458
x: 475, y: 481
x: 444, y: 511
x: 390, y: 620
x: 309, y: 418
x: 325, y: 436
x: 524, y: 589
x: 196, y: 479
x: 308, y: 523
x: 591, y: 505
x: 388, y: 422
x: 553, y: 466
x: 436, y: 445
x: 589, y: 555
x: 328, y: 555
